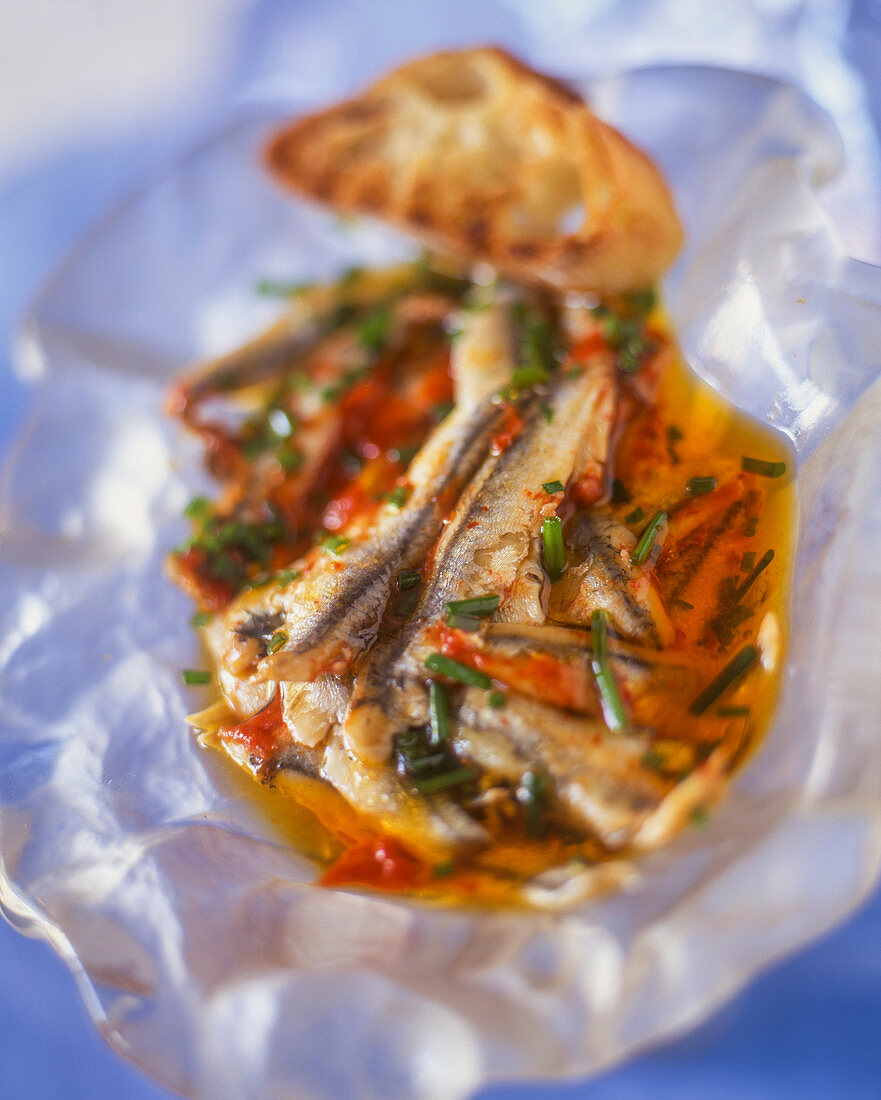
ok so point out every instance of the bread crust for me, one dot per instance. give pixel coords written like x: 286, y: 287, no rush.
x: 482, y: 157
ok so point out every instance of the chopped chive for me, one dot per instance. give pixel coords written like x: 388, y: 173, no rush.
x: 291, y: 460
x: 201, y: 618
x: 548, y: 413
x: 553, y: 486
x: 403, y: 455
x: 497, y: 699
x: 651, y: 758
x: 700, y: 485
x: 334, y: 544
x: 192, y: 676
x: 430, y: 763
x: 463, y: 622
x: 438, y: 713
x: 747, y: 561
x: 198, y: 508
x: 699, y: 817
x: 762, y: 565
x: 442, y: 410
x: 524, y: 377
x: 673, y: 436
x: 532, y: 794
x: 408, y: 579
x: 642, y: 301
x: 475, y: 605
x: 684, y: 604
x: 735, y: 668
x: 397, y: 498
x: 350, y: 275
x: 286, y: 576
x: 649, y: 536
x: 733, y: 712
x: 620, y: 495
x: 275, y: 288
x: 554, y: 552
x: 441, y: 782
x: 761, y: 467
x: 752, y: 525
x: 407, y: 604
x: 635, y: 516
x: 455, y: 670
x: 276, y: 642
x: 441, y: 870
x: 374, y: 330
x: 613, y: 709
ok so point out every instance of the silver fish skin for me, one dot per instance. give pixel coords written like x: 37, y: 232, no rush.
x: 600, y: 576
x: 309, y: 319
x: 433, y: 826
x: 330, y: 613
x: 638, y: 670
x: 491, y: 544
x: 597, y: 781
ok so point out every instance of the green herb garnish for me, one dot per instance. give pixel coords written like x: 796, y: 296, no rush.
x: 533, y: 796
x: 553, y: 486
x: 747, y: 561
x: 699, y: 485
x: 761, y: 467
x: 464, y: 622
x: 673, y: 435
x: 752, y: 525
x: 191, y: 676
x: 635, y: 516
x: 524, y: 377
x: 276, y: 642
x: 276, y: 288
x: 408, y: 579
x: 446, y: 666
x: 445, y: 780
x: 649, y: 536
x: 199, y: 508
x: 286, y: 576
x: 613, y: 709
x: 438, y: 713
x: 733, y: 712
x: 554, y: 551
x: 735, y: 668
x: 651, y: 758
x: 291, y: 460
x: 497, y: 699
x: 334, y: 544
x: 373, y: 332
x: 201, y: 618
x: 479, y: 606
x: 548, y: 413
x: 397, y: 498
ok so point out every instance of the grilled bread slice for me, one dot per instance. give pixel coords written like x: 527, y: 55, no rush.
x: 482, y: 157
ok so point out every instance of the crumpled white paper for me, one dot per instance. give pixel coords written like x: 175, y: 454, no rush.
x: 202, y: 950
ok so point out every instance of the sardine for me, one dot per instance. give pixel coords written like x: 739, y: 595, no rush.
x: 492, y: 543
x: 596, y: 778
x: 600, y: 576
x: 331, y: 611
x: 433, y: 826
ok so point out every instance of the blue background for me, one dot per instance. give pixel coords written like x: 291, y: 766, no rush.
x: 810, y: 1027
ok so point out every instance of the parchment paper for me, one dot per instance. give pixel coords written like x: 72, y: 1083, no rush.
x: 201, y: 948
